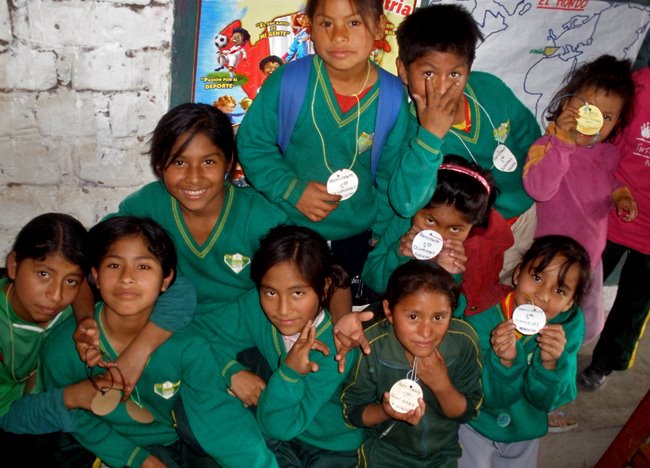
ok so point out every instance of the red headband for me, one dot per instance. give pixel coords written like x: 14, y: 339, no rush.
x: 469, y: 172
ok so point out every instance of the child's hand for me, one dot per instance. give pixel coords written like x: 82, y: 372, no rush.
x: 247, y: 386
x: 436, y: 112
x: 405, y: 247
x: 298, y: 357
x: 551, y: 340
x: 432, y: 370
x: 86, y: 339
x: 81, y: 394
x: 626, y: 208
x: 452, y: 256
x: 316, y: 203
x: 412, y: 417
x: 568, y: 120
x: 504, y: 342
x: 348, y: 334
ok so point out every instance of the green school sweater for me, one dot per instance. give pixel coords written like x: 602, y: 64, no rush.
x: 181, y: 367
x: 517, y: 399
x: 20, y: 347
x: 282, y: 178
x: 493, y: 105
x: 292, y: 405
x: 220, y: 268
x: 434, y: 440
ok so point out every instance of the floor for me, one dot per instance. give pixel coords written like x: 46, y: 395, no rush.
x: 600, y: 414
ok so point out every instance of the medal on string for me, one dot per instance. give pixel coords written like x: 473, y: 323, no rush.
x: 426, y: 244
x: 590, y: 120
x: 343, y: 182
x: 405, y: 394
x: 105, y: 402
x: 528, y: 319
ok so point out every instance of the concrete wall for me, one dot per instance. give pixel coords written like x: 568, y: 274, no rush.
x: 82, y: 84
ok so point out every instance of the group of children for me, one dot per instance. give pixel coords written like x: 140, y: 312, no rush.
x: 213, y: 323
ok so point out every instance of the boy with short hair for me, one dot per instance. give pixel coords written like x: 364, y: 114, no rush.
x: 459, y: 111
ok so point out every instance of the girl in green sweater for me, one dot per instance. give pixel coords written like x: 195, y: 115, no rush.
x: 529, y: 343
x: 133, y: 261
x: 288, y: 320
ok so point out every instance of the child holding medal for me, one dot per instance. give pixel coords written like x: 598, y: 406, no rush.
x: 460, y: 111
x: 570, y: 170
x: 442, y: 231
x: 529, y: 343
x: 422, y: 377
x: 287, y: 318
x: 133, y: 261
x: 324, y: 177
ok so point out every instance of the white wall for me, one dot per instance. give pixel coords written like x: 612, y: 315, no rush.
x: 82, y: 83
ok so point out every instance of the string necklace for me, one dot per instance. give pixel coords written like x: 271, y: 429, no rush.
x: 12, y: 368
x: 480, y: 106
x: 313, y: 117
x: 140, y: 413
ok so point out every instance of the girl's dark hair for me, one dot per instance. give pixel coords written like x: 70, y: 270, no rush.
x: 606, y: 73
x: 190, y: 119
x: 304, y: 248
x: 105, y: 233
x: 50, y: 234
x: 414, y: 275
x: 465, y: 193
x: 370, y: 10
x: 546, y: 248
x: 438, y: 28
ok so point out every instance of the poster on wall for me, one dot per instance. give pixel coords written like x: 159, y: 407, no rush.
x: 530, y: 45
x: 241, y: 42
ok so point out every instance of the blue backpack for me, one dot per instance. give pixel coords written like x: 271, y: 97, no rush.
x: 293, y: 88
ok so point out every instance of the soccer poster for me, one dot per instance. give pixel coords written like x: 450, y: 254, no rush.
x: 241, y: 42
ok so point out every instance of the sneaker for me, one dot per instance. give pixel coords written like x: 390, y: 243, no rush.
x: 592, y: 378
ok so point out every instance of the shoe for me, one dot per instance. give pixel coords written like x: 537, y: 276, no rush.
x: 592, y: 378
x: 558, y: 421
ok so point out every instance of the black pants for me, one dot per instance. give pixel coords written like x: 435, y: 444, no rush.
x: 351, y: 253
x: 618, y: 341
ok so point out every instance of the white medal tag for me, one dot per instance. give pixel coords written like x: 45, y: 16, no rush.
x: 426, y: 244
x: 528, y: 319
x: 590, y: 120
x: 404, y: 395
x: 503, y: 159
x: 343, y: 182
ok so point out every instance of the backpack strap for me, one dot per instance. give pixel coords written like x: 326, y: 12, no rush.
x: 390, y: 100
x: 293, y: 87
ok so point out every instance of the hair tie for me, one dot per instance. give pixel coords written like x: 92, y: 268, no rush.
x: 469, y: 172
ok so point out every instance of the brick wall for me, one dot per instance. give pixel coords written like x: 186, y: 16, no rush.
x: 82, y: 84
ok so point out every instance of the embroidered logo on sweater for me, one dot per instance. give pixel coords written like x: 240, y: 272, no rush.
x: 166, y: 389
x: 501, y: 132
x: 237, y: 262
x: 364, y: 142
